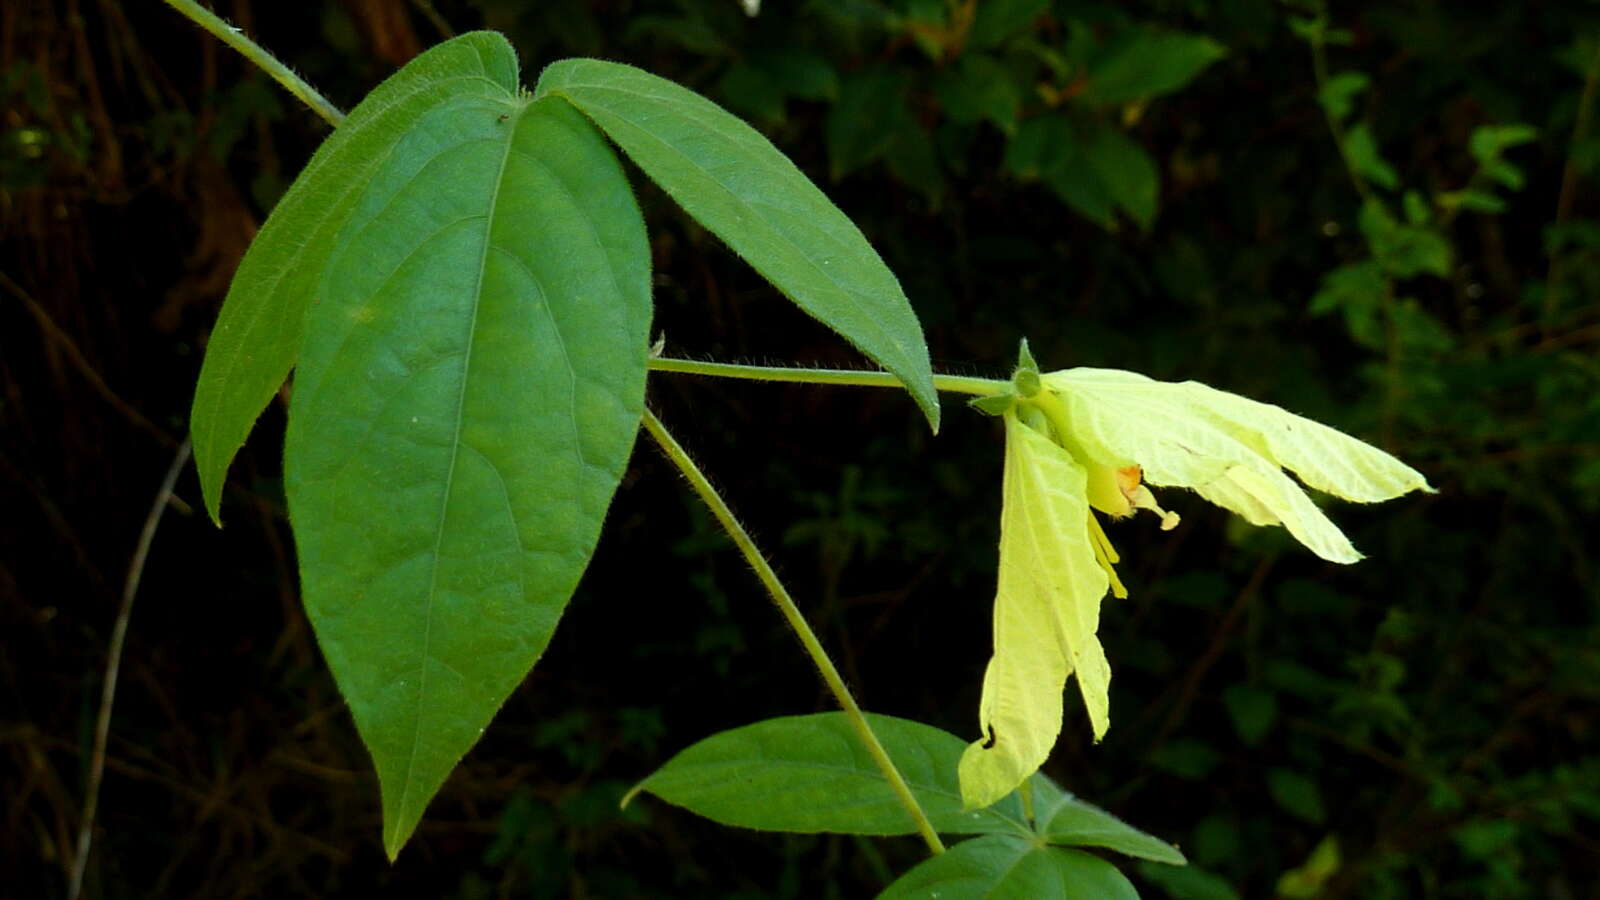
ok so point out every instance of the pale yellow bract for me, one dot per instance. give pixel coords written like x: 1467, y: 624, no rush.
x: 1093, y: 438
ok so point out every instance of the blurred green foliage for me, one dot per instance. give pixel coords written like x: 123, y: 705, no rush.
x: 1383, y: 216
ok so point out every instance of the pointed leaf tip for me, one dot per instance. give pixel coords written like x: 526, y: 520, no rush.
x: 1025, y: 358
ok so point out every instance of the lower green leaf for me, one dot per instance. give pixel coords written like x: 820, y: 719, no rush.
x: 811, y: 774
x: 1069, y: 821
x: 1002, y: 867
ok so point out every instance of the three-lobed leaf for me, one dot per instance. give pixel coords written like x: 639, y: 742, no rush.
x: 257, y: 337
x: 461, y: 275
x: 469, y: 388
x: 739, y: 186
x: 1004, y: 867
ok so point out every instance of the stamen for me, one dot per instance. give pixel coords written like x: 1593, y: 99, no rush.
x: 1102, y: 543
x: 1141, y: 498
x: 1106, y: 555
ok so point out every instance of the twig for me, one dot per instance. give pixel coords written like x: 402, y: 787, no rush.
x: 108, y: 690
x: 53, y: 332
x: 1213, y: 652
x: 1569, y: 190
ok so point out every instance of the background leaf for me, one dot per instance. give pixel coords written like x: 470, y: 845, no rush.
x: 1001, y: 867
x: 735, y: 183
x: 257, y: 336
x: 1143, y: 64
x: 469, y: 391
x: 1124, y: 168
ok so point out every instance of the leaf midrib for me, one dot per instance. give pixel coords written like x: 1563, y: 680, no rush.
x: 450, y: 472
x: 275, y: 279
x: 868, y: 776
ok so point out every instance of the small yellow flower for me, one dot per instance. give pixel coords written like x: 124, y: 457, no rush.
x: 1096, y: 439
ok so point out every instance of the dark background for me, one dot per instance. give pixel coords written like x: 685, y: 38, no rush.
x: 1432, y: 708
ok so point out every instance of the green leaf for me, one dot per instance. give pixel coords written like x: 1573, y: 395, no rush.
x: 1489, y: 141
x: 1126, y: 170
x: 1188, y: 758
x: 1307, y: 881
x: 1074, y: 823
x: 1042, y: 145
x: 1473, y: 201
x: 1252, y: 711
x: 1081, y: 188
x: 1356, y: 290
x: 1297, y: 794
x: 978, y: 87
x: 1505, y: 174
x: 1142, y: 64
x: 1416, y: 209
x: 1309, y: 29
x: 996, y: 20
x: 811, y: 774
x: 1001, y: 867
x: 1187, y: 883
x: 258, y: 333
x: 1093, y: 167
x: 467, y: 398
x: 876, y: 96
x: 1046, y: 613
x: 1338, y: 96
x: 1362, y: 150
x: 1404, y: 251
x: 735, y: 183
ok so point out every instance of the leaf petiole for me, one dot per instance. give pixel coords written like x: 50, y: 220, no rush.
x: 957, y: 384
x: 791, y: 613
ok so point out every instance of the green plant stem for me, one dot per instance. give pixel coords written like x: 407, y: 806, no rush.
x: 254, y: 52
x: 791, y: 613
x: 958, y: 384
x: 1319, y: 69
x: 1568, y: 194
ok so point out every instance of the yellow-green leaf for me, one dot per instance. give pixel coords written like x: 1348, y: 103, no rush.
x: 1046, y: 612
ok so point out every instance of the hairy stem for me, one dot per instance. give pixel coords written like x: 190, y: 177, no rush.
x: 958, y: 384
x: 791, y: 613
x: 257, y: 54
